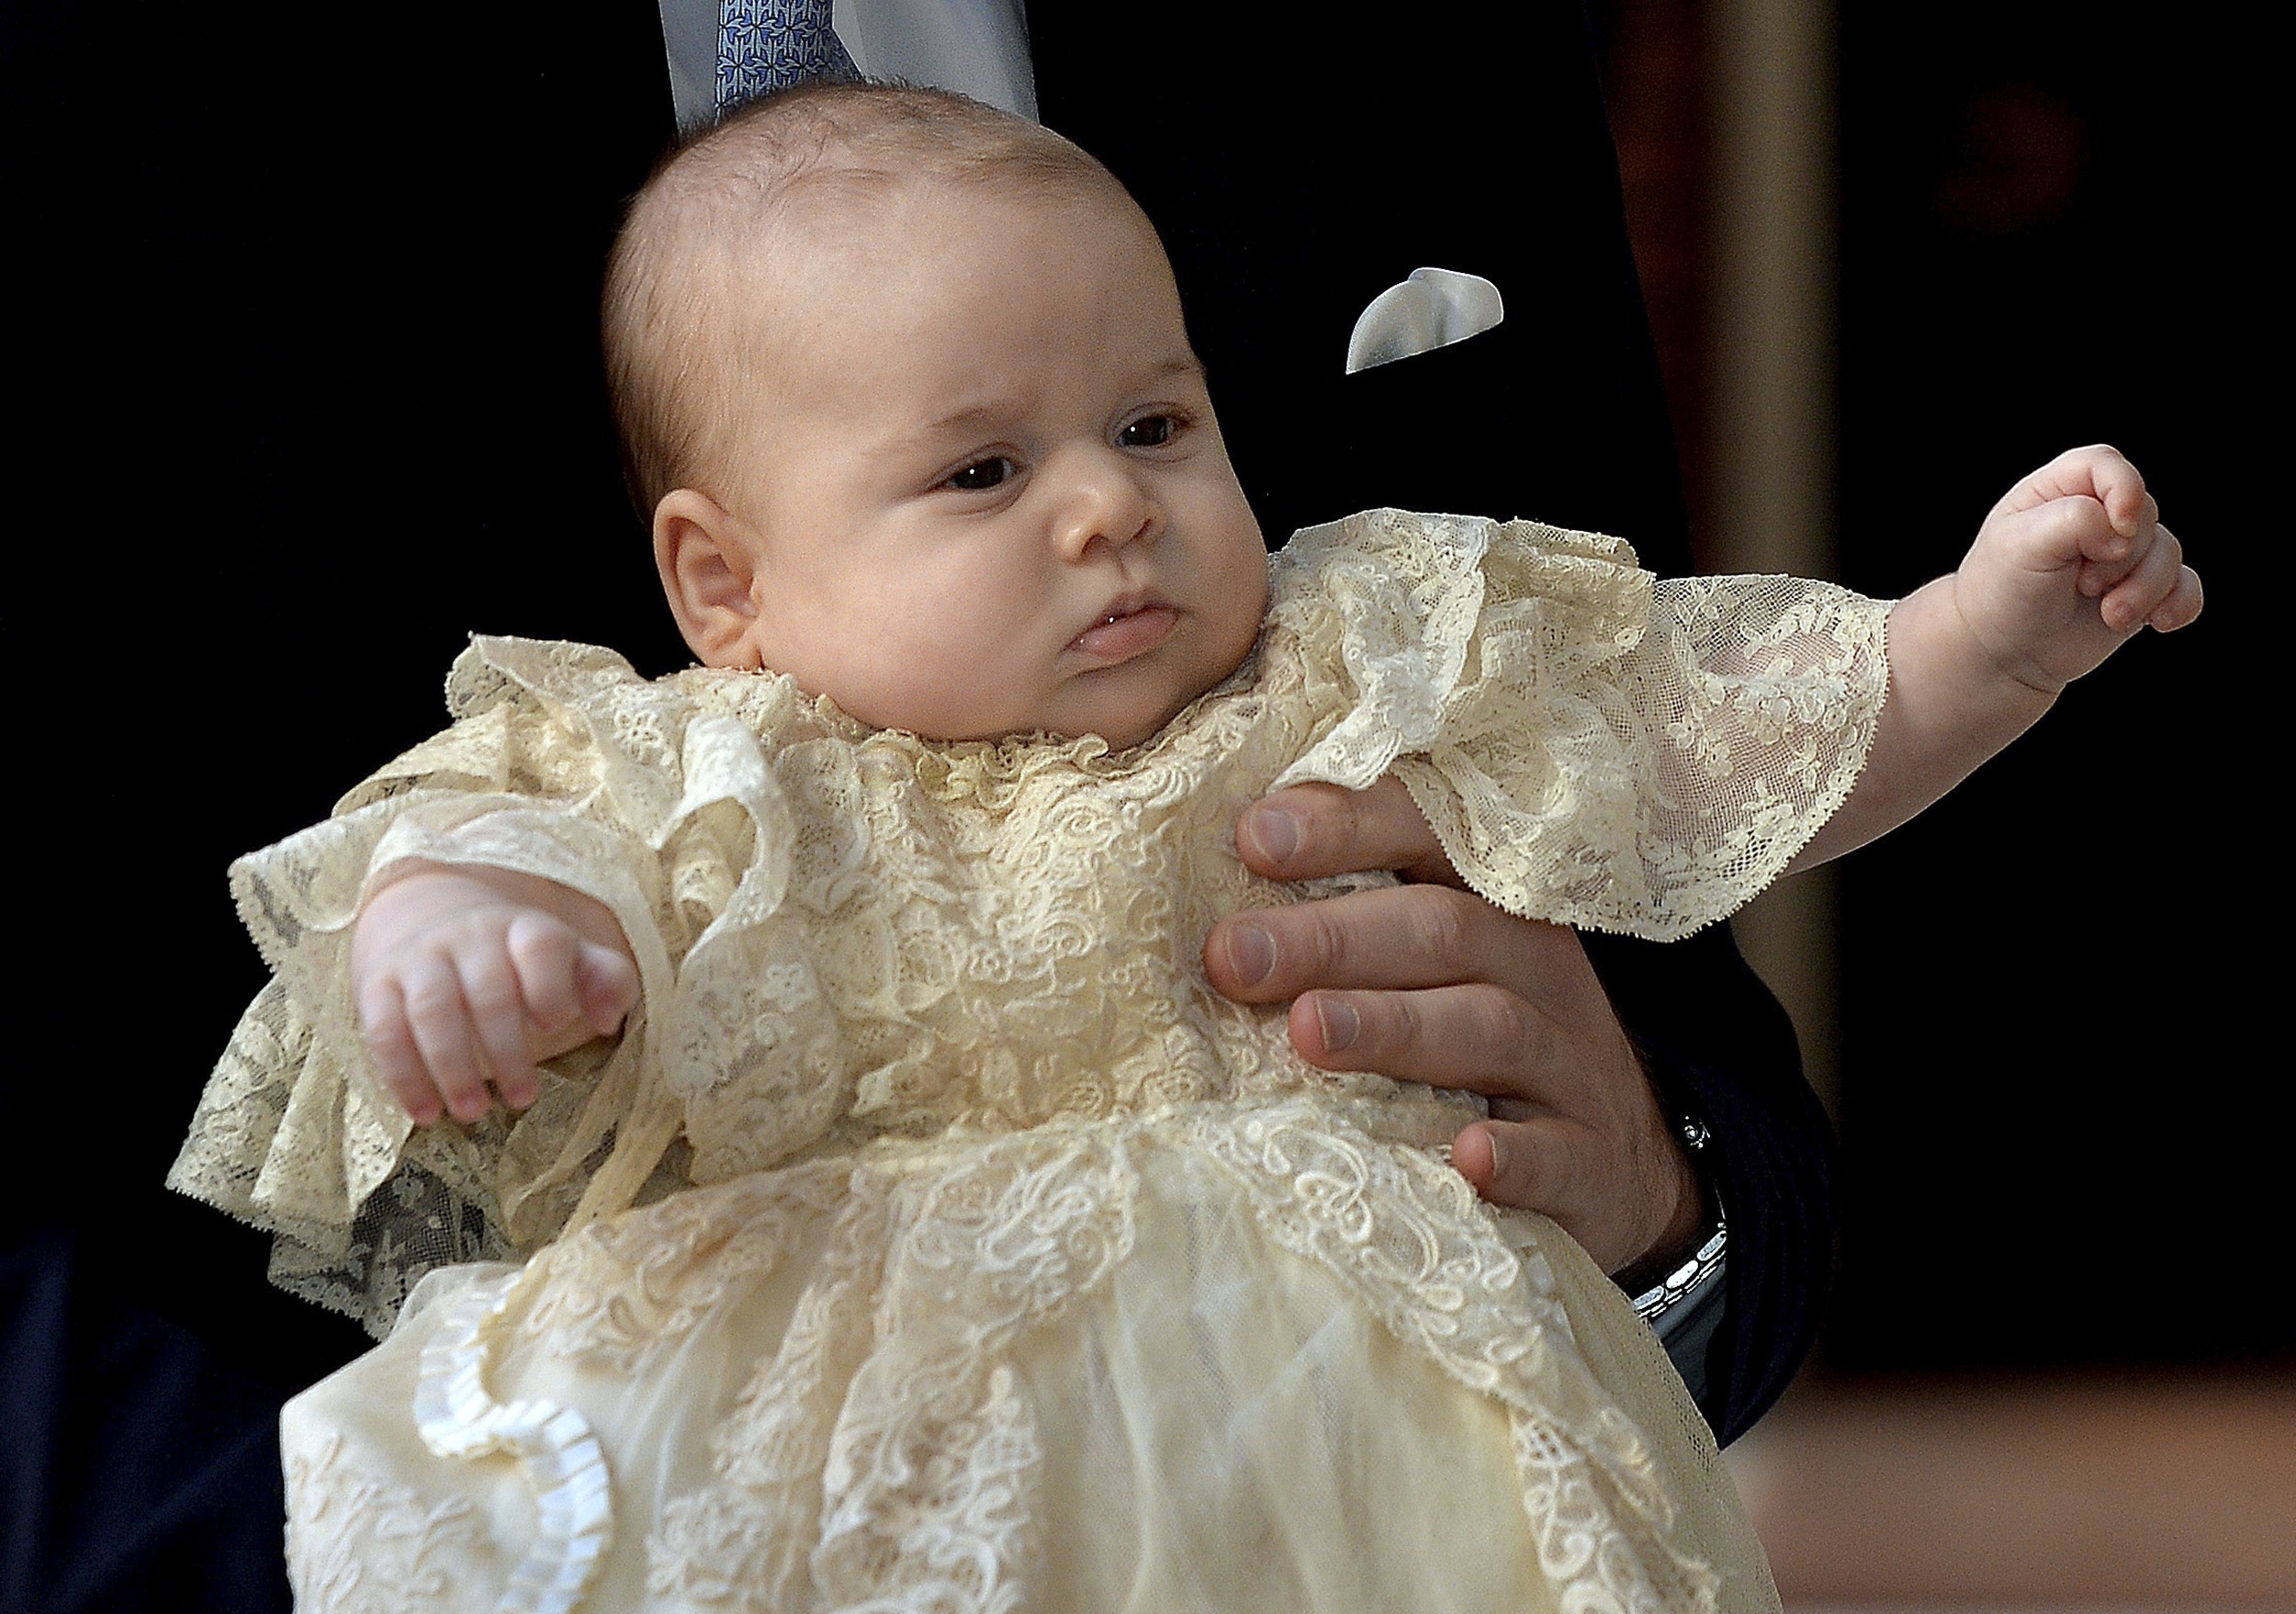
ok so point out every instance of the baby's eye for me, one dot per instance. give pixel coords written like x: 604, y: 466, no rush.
x: 982, y: 475
x: 1149, y: 432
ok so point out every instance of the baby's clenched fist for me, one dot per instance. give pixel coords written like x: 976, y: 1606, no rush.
x: 2072, y: 561
x: 466, y: 976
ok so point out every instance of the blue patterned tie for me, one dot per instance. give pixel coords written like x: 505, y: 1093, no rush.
x: 767, y: 45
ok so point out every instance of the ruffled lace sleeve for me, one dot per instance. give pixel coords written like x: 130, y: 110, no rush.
x: 1590, y: 745
x: 562, y: 763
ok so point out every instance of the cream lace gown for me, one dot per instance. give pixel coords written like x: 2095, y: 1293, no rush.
x: 934, y: 1239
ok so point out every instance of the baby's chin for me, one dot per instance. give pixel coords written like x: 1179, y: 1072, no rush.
x: 1123, y: 724
x: 1122, y: 706
x: 1117, y: 737
x: 1117, y: 730
x: 1125, y: 738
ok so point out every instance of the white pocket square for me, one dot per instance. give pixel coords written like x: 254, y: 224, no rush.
x: 1433, y: 308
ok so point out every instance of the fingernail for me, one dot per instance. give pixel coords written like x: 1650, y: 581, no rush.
x: 1498, y: 1157
x: 1339, y: 1023
x: 1252, y: 952
x: 1275, y: 833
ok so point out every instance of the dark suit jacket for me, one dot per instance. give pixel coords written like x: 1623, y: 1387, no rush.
x: 305, y: 305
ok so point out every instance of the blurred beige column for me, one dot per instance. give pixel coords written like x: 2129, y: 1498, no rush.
x: 1771, y: 394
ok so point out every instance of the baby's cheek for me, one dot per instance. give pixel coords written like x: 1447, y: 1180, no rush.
x: 1246, y: 609
x: 953, y: 674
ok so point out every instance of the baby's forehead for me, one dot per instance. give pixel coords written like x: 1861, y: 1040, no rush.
x: 886, y: 232
x: 743, y: 260
x: 865, y: 210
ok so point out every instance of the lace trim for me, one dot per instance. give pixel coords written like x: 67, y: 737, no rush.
x: 1590, y: 746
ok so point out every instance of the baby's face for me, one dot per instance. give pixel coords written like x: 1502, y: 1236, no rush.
x: 984, y: 485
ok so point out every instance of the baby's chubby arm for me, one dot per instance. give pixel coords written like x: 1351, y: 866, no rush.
x: 2071, y: 564
x: 467, y: 975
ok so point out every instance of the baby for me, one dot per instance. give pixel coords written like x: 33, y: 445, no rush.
x: 936, y: 446
x: 917, y: 1229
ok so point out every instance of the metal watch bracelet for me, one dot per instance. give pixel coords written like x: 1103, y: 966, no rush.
x: 1689, y: 1278
x: 1695, y: 1273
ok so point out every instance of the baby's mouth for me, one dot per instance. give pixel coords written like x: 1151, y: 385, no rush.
x: 1130, y: 626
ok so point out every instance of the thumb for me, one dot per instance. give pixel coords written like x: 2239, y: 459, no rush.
x: 607, y: 983
x: 2073, y: 530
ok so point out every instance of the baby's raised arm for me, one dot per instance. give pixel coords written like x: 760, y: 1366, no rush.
x: 464, y: 975
x: 2071, y: 564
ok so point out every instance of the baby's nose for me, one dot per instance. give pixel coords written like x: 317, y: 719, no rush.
x: 1107, y: 503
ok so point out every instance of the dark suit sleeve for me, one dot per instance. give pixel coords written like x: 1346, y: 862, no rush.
x: 1719, y: 1047
x: 1290, y: 194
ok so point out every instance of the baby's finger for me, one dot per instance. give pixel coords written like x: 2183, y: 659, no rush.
x: 2082, y: 529
x: 543, y: 951
x: 491, y: 990
x: 389, y: 1043
x: 2099, y: 471
x: 2146, y: 587
x: 441, y: 1023
x: 2119, y: 487
x: 2136, y: 518
x: 607, y: 983
x: 2183, y: 604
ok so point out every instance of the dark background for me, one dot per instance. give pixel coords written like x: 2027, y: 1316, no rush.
x: 305, y: 337
x: 2059, y: 1066
x: 2063, y: 1066
x: 303, y: 392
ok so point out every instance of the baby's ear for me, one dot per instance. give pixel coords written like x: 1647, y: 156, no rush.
x: 707, y: 558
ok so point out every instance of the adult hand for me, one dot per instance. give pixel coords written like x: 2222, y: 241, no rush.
x: 1427, y: 982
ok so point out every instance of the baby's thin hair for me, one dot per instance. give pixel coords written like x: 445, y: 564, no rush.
x: 779, y: 172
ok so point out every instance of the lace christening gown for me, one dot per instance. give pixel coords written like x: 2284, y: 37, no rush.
x: 934, y: 1239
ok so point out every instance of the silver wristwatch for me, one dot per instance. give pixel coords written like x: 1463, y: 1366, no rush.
x: 1704, y: 1263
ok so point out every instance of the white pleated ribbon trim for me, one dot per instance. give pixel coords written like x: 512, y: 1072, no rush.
x: 458, y: 1416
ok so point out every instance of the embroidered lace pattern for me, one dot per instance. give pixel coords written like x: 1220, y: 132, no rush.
x: 358, y: 1545
x: 919, y: 1019
x: 1592, y: 746
x: 886, y: 1440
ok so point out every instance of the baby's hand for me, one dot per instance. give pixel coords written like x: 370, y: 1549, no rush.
x: 2069, y: 565
x: 463, y: 975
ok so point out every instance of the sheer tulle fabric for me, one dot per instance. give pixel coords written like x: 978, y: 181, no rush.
x: 934, y: 1237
